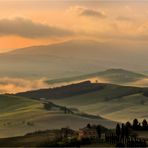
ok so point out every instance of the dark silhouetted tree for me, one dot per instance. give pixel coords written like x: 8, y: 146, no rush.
x: 98, y: 128
x: 123, y: 131
x: 128, y: 127
x: 118, y: 130
x: 128, y: 124
x: 144, y: 124
x: 88, y: 125
x: 135, y: 124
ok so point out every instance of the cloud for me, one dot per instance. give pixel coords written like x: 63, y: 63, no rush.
x: 29, y: 29
x: 124, y: 18
x: 92, y: 13
x: 82, y: 11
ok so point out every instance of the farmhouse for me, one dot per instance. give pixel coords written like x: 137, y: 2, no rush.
x: 87, y: 132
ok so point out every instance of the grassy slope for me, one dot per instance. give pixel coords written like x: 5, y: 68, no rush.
x: 113, y: 102
x: 32, y: 140
x: 121, y: 75
x: 19, y: 115
x: 36, y: 139
x: 114, y: 76
x: 16, y: 113
x: 13, y: 104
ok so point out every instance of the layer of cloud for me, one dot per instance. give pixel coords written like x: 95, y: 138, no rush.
x: 92, y: 13
x: 29, y: 29
x: 115, y: 27
x: 88, y: 12
x: 14, y: 85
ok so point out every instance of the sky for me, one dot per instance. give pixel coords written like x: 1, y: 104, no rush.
x: 37, y: 22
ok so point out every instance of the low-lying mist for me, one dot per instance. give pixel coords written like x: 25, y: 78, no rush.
x: 15, y: 85
x: 141, y: 83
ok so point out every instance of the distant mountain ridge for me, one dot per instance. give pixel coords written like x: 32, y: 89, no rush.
x: 71, y: 58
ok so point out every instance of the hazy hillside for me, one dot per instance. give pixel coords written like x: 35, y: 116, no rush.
x: 64, y: 91
x: 114, y: 76
x: 120, y: 108
x: 121, y: 76
x: 81, y: 88
x: 70, y: 58
x: 120, y: 103
x: 20, y: 115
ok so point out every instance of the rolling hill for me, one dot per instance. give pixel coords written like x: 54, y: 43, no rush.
x: 113, y: 76
x: 20, y: 115
x: 82, y: 88
x: 121, y: 76
x: 114, y: 102
x: 63, y: 92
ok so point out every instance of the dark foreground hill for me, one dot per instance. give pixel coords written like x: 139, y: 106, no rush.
x: 81, y: 88
x: 64, y: 91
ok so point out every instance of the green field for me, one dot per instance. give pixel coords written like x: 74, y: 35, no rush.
x: 13, y: 105
x: 113, y: 102
x: 19, y: 115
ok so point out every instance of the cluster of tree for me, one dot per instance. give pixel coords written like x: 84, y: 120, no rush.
x: 67, y: 111
x: 50, y: 106
x: 136, y: 125
x: 124, y: 129
x: 140, y: 126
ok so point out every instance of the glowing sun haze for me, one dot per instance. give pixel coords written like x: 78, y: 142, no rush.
x: 36, y: 22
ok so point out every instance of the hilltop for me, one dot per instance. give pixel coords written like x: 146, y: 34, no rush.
x: 121, y: 76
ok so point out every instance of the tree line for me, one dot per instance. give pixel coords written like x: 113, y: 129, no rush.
x: 124, y: 130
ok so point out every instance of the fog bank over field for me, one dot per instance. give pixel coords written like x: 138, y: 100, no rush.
x: 14, y: 85
x: 141, y: 83
x: 110, y: 76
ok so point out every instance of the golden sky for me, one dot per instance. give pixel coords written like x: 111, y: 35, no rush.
x: 36, y: 22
